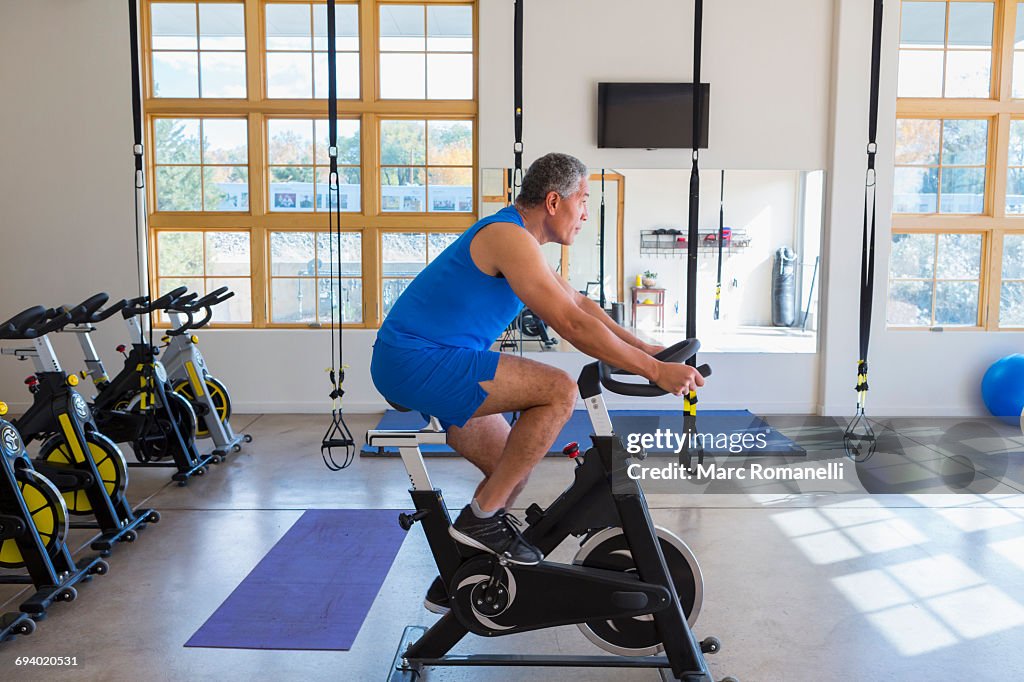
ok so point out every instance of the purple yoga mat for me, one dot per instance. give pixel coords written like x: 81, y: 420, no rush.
x: 315, y: 586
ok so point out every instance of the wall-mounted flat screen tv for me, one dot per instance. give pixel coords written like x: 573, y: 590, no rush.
x: 650, y: 115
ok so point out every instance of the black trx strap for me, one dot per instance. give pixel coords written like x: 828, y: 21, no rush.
x: 601, y: 242
x: 137, y: 149
x: 690, y: 399
x: 517, y: 148
x: 338, y: 434
x: 721, y: 238
x: 859, y: 439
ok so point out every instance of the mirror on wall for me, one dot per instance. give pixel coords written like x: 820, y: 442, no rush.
x: 770, y: 255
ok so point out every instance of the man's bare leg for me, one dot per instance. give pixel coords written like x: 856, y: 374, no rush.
x: 545, y: 397
x: 482, y: 441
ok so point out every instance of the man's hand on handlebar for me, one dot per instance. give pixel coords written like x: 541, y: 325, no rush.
x: 678, y: 379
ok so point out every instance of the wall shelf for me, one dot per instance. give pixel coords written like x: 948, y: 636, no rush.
x: 673, y: 243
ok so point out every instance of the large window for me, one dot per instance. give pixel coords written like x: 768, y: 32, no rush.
x: 958, y: 205
x: 237, y: 143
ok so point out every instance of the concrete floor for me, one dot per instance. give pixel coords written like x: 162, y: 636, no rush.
x: 801, y: 586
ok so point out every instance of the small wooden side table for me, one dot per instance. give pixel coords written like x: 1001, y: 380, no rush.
x: 657, y: 297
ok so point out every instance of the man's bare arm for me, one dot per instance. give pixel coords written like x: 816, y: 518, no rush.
x: 588, y: 306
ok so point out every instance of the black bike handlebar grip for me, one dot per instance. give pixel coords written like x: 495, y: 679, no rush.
x: 185, y: 325
x: 84, y: 311
x: 135, y: 306
x: 679, y: 352
x: 58, y: 321
x: 112, y: 309
x: 22, y: 321
x: 167, y: 299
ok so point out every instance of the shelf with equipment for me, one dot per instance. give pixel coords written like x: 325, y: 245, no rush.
x: 672, y: 242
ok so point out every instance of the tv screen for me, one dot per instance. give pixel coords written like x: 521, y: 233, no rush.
x: 650, y: 115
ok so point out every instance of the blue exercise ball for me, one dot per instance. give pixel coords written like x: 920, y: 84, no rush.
x: 1002, y: 389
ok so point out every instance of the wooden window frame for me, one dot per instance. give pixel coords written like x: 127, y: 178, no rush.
x: 994, y: 222
x: 257, y: 108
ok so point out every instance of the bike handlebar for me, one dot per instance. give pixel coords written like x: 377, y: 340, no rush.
x: 22, y: 322
x: 680, y: 352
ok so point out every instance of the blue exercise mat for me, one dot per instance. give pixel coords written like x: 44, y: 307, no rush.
x: 313, y: 589
x: 578, y: 429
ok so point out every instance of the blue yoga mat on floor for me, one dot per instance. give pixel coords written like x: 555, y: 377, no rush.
x: 315, y: 586
x: 578, y: 428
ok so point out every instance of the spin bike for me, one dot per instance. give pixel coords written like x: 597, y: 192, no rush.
x: 33, y: 528
x: 189, y: 374
x: 633, y: 589
x: 138, y: 406
x: 85, y: 466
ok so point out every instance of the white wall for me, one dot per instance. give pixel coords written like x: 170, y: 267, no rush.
x: 789, y: 91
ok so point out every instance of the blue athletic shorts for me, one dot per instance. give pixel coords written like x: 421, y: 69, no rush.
x: 439, y: 381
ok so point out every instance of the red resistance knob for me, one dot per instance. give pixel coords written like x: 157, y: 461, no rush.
x: 120, y: 348
x: 31, y: 380
x: 572, y: 450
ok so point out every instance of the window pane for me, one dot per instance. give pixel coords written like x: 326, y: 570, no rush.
x: 225, y: 140
x: 956, y: 303
x: 1019, y: 32
x: 1016, y: 156
x: 221, y: 26
x: 403, y: 190
x: 351, y: 296
x: 348, y: 142
x: 174, y: 26
x: 175, y: 74
x: 920, y: 73
x: 392, y: 289
x: 968, y: 74
x: 349, y: 189
x: 196, y: 284
x: 913, y: 256
x: 346, y: 27
x: 1011, y: 305
x: 288, y: 27
x: 1015, y: 191
x: 402, y: 76
x: 225, y: 188
x: 964, y: 143
x: 177, y: 140
x: 348, y: 75
x: 1018, y: 72
x: 451, y: 189
x: 923, y: 24
x: 290, y: 141
x: 178, y: 188
x: 403, y: 253
x: 963, y: 190
x: 289, y: 75
x: 450, y: 76
x: 917, y: 142
x: 438, y: 242
x: 450, y: 143
x: 910, y: 303
x: 401, y: 28
x: 238, y: 308
x: 223, y: 74
x: 449, y: 29
x: 959, y: 256
x: 293, y: 300
x: 1013, y: 256
x: 291, y: 188
x: 970, y: 24
x: 351, y: 254
x: 179, y: 254
x: 291, y: 253
x: 403, y: 143
x: 916, y: 190
x: 227, y: 253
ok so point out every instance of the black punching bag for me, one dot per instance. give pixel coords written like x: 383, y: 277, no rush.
x: 784, y: 288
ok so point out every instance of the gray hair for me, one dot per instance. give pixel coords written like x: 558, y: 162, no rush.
x: 553, y: 172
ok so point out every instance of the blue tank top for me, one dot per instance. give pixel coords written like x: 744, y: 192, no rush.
x: 451, y: 302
